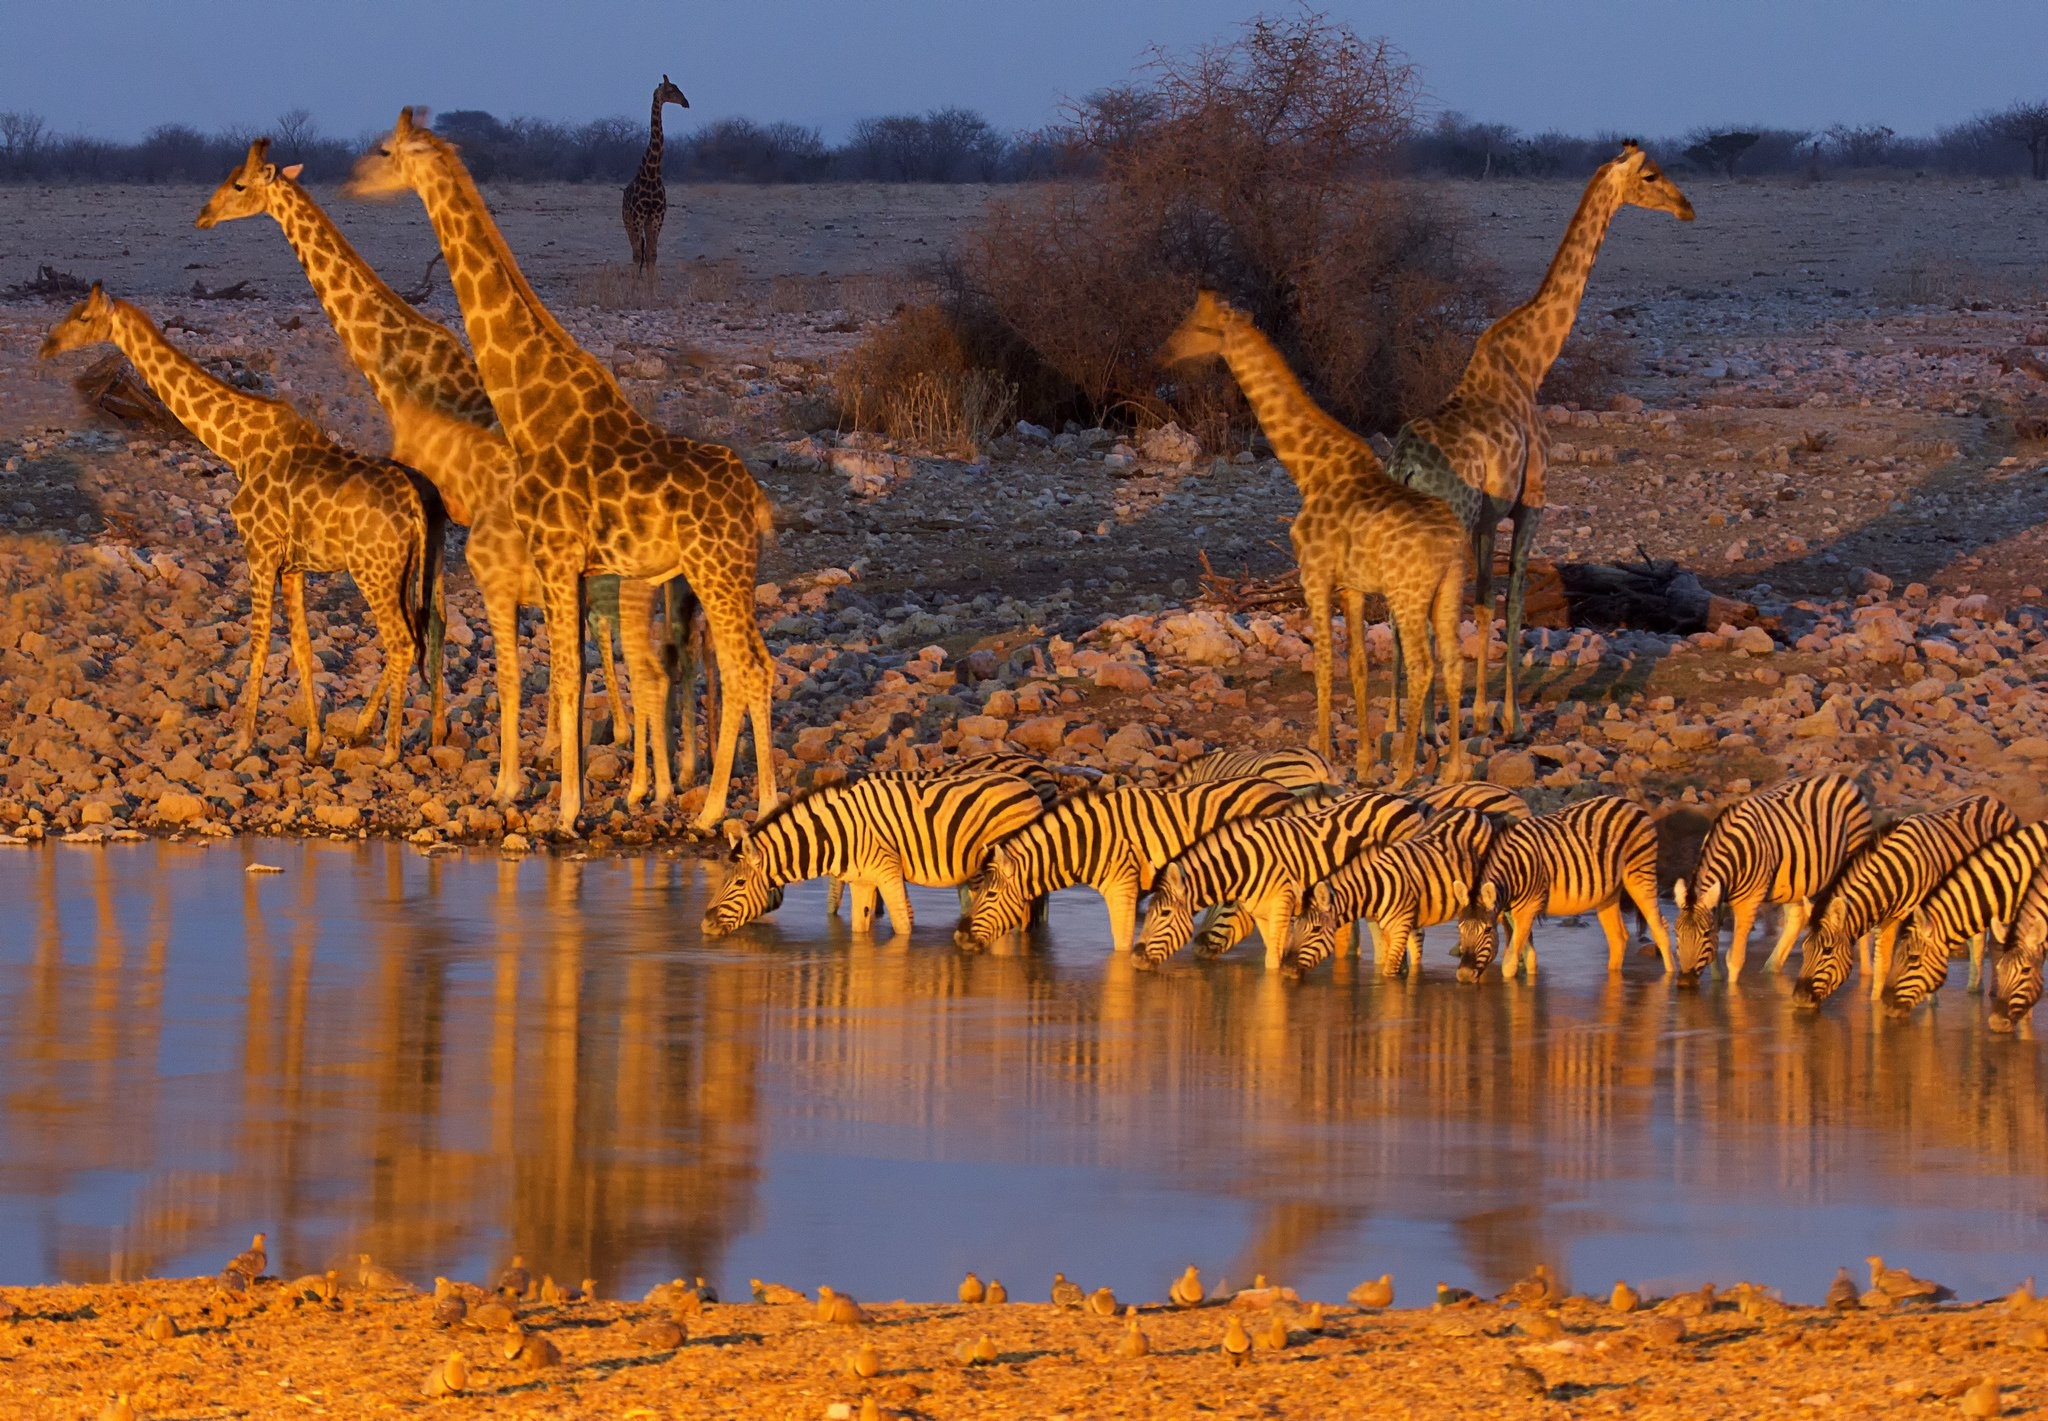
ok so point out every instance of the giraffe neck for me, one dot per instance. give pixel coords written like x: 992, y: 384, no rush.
x: 525, y: 356
x: 232, y: 423
x: 1534, y: 333
x: 650, y: 161
x: 1300, y: 430
x: 386, y: 338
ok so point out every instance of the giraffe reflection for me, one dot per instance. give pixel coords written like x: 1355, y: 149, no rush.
x: 438, y: 1060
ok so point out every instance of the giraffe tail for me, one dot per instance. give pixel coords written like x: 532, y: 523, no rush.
x: 764, y: 513
x: 429, y: 553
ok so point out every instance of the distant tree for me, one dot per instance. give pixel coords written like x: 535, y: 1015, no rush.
x: 1867, y: 146
x: 293, y: 133
x: 21, y: 135
x: 2027, y: 125
x: 1719, y: 152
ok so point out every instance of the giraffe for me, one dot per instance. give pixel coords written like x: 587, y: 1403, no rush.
x: 1483, y: 449
x: 305, y: 504
x: 599, y: 487
x: 646, y: 201
x: 442, y: 424
x: 1358, y: 531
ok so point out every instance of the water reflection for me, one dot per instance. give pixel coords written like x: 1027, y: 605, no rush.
x: 437, y: 1060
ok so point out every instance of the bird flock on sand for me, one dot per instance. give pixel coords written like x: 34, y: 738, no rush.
x: 574, y: 500
x: 1264, y: 841
x: 509, y: 1321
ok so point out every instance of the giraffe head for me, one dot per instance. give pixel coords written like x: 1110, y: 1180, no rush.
x: 90, y: 322
x: 1642, y: 183
x: 400, y: 160
x: 247, y: 190
x: 667, y: 93
x: 1201, y: 333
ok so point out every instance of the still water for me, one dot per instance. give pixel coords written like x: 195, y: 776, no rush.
x: 443, y: 1060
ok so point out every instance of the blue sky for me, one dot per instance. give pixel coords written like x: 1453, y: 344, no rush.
x: 114, y: 67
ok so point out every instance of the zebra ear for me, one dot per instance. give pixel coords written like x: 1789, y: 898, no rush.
x: 1678, y: 893
x: 1709, y: 898
x: 1489, y: 896
x: 1461, y: 891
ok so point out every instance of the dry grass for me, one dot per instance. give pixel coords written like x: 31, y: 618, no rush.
x: 911, y: 379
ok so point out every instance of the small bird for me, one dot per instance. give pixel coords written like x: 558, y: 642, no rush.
x: 1982, y: 1399
x: 869, y: 1411
x: 1624, y: 1298
x: 979, y: 1353
x: 706, y: 1294
x: 1521, y: 1379
x: 251, y: 1261
x: 1134, y: 1343
x: 1538, y: 1326
x: 492, y: 1316
x: 666, y: 1295
x: 1449, y: 1297
x: 1662, y: 1330
x: 1842, y: 1292
x: 1314, y: 1322
x: 160, y: 1328
x: 375, y: 1278
x: 330, y: 1286
x: 660, y: 1334
x: 232, y: 1283
x: 450, y: 1307
x: 997, y: 1293
x: 1274, y: 1337
x: 776, y: 1293
x: 1374, y: 1293
x: 1533, y: 1291
x: 533, y: 1352
x: 1900, y: 1284
x: 1237, y: 1343
x: 1186, y: 1291
x: 1102, y: 1302
x: 515, y: 1282
x: 450, y: 1377
x: 1699, y: 1304
x: 2022, y: 1297
x: 1067, y: 1294
x: 840, y: 1308
x: 551, y: 1292
x: 119, y: 1409
x: 863, y: 1362
x: 971, y: 1289
x: 689, y: 1302
x: 586, y: 1293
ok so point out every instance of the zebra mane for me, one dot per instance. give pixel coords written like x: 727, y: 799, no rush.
x: 788, y: 804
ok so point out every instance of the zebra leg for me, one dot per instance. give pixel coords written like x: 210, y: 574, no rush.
x: 1976, y: 982
x: 1881, y: 966
x: 894, y: 898
x: 862, y: 912
x: 1609, y: 915
x: 1523, y: 944
x: 1789, y: 928
x: 1744, y: 915
x: 1863, y: 954
x: 835, y: 889
x: 1276, y: 921
x: 1643, y: 891
x: 1230, y: 925
x: 1120, y: 896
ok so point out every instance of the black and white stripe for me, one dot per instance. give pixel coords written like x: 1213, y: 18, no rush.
x: 1784, y: 846
x: 1115, y: 842
x: 1502, y: 806
x: 1296, y: 770
x: 878, y: 834
x: 1400, y: 889
x: 1976, y: 902
x: 2016, y: 971
x: 1887, y: 881
x: 1265, y: 867
x: 1584, y: 858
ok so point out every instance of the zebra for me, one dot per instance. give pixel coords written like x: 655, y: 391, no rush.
x: 1782, y: 846
x: 1298, y: 770
x: 1040, y: 776
x: 1501, y: 806
x: 1265, y: 867
x: 1887, y: 881
x: 1977, y: 900
x: 1115, y: 842
x: 2016, y: 971
x: 1585, y: 857
x: 1402, y: 889
x: 878, y: 834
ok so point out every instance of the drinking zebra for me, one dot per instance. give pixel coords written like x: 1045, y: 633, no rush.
x: 1975, y: 902
x: 1401, y: 889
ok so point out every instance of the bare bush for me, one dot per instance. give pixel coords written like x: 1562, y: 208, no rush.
x: 1720, y: 152
x: 912, y: 380
x: 1258, y: 166
x: 2026, y: 125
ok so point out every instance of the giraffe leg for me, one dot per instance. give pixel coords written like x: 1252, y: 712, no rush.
x: 1526, y: 518
x: 302, y: 655
x: 437, y: 641
x: 1354, y: 618
x: 1482, y: 605
x: 395, y: 640
x: 501, y: 610
x: 679, y: 658
x: 650, y: 241
x: 262, y: 592
x: 1450, y: 661
x: 1411, y: 634
x: 1317, y: 595
x: 562, y: 595
x: 745, y: 686
x: 650, y: 692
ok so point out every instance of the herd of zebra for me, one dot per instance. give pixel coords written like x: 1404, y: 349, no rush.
x: 1242, y: 839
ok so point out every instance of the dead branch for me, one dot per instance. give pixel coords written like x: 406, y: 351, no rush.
x: 417, y: 295
x: 238, y: 292
x: 52, y: 284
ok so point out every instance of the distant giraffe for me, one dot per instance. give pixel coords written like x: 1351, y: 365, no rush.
x: 305, y: 504
x: 442, y: 424
x: 600, y: 488
x: 1358, y: 531
x: 1483, y: 449
x: 646, y: 203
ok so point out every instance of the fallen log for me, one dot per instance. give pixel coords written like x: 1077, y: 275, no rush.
x: 110, y: 386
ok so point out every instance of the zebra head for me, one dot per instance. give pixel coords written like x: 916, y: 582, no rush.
x: 1699, y: 928
x: 746, y: 894
x: 996, y: 904
x: 1825, y: 963
x: 2015, y: 987
x: 1478, y: 929
x: 1169, y: 920
x: 1923, y: 965
x: 1314, y: 938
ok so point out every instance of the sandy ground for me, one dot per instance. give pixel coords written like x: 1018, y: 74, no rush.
x: 283, y: 1351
